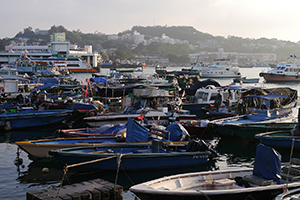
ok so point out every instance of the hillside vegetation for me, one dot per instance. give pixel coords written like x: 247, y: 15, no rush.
x: 199, y: 41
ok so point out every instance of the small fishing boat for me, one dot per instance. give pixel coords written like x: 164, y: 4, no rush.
x: 268, y: 112
x: 27, y: 118
x: 152, y: 155
x: 132, y: 132
x: 264, y: 181
x: 246, y: 80
x: 281, y: 139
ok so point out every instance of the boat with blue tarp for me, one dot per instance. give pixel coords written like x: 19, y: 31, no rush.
x: 264, y: 113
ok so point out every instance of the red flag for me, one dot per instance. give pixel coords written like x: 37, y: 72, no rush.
x: 140, y: 117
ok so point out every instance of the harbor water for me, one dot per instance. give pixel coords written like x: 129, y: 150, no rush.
x: 18, y: 178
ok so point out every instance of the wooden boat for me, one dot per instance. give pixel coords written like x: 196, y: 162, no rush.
x: 260, y: 183
x: 132, y: 133
x: 133, y: 156
x: 246, y: 80
x: 282, y: 138
x: 32, y: 118
x: 40, y: 148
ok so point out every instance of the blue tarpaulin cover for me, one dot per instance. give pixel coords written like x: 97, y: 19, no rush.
x: 176, y: 130
x: 136, y: 132
x: 267, y: 163
x: 99, y: 80
x: 115, y: 129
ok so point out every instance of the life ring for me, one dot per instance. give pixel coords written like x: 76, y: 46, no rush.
x: 2, y: 89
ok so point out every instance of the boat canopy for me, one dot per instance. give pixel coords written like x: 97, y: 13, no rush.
x: 267, y: 163
x: 287, y: 97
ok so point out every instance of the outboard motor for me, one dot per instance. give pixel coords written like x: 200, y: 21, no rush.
x: 200, y: 145
x: 197, y: 145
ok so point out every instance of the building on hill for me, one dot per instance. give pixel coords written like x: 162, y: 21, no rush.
x: 220, y: 54
x: 58, y: 45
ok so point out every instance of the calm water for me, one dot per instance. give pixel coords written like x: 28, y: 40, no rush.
x: 16, y: 180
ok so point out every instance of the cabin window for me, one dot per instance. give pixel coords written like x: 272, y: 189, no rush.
x: 295, y: 70
x: 213, y: 96
x: 205, y: 97
x: 200, y: 95
x: 286, y: 70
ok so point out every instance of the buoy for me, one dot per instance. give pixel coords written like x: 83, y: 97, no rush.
x: 18, y: 161
x: 45, y: 170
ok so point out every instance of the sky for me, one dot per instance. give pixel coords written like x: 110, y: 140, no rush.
x: 242, y: 18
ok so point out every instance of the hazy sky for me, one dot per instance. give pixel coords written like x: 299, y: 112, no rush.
x: 242, y: 18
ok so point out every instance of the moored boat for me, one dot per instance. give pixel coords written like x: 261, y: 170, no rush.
x: 221, y: 68
x: 265, y: 181
x: 268, y: 113
x: 280, y: 139
x: 132, y: 156
x: 283, y: 72
x: 32, y: 118
x: 246, y: 80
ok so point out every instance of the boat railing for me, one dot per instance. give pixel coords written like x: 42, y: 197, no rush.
x: 229, y: 119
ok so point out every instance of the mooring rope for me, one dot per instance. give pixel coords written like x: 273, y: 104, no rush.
x: 119, y: 156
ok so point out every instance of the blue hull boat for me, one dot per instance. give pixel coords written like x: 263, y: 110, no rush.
x: 133, y: 156
x: 132, y: 132
x: 32, y: 118
x: 280, y: 139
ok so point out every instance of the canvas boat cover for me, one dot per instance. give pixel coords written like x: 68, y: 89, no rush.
x: 267, y: 163
x: 136, y: 132
x: 177, y: 131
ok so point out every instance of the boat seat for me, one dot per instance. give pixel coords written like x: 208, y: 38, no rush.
x: 290, y: 173
x: 257, y: 180
x: 289, y: 177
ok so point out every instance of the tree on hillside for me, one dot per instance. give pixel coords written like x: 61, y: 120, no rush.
x: 3, y: 43
x: 104, y: 56
x: 27, y: 33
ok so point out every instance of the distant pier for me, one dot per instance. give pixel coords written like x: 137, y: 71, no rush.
x: 97, y: 189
